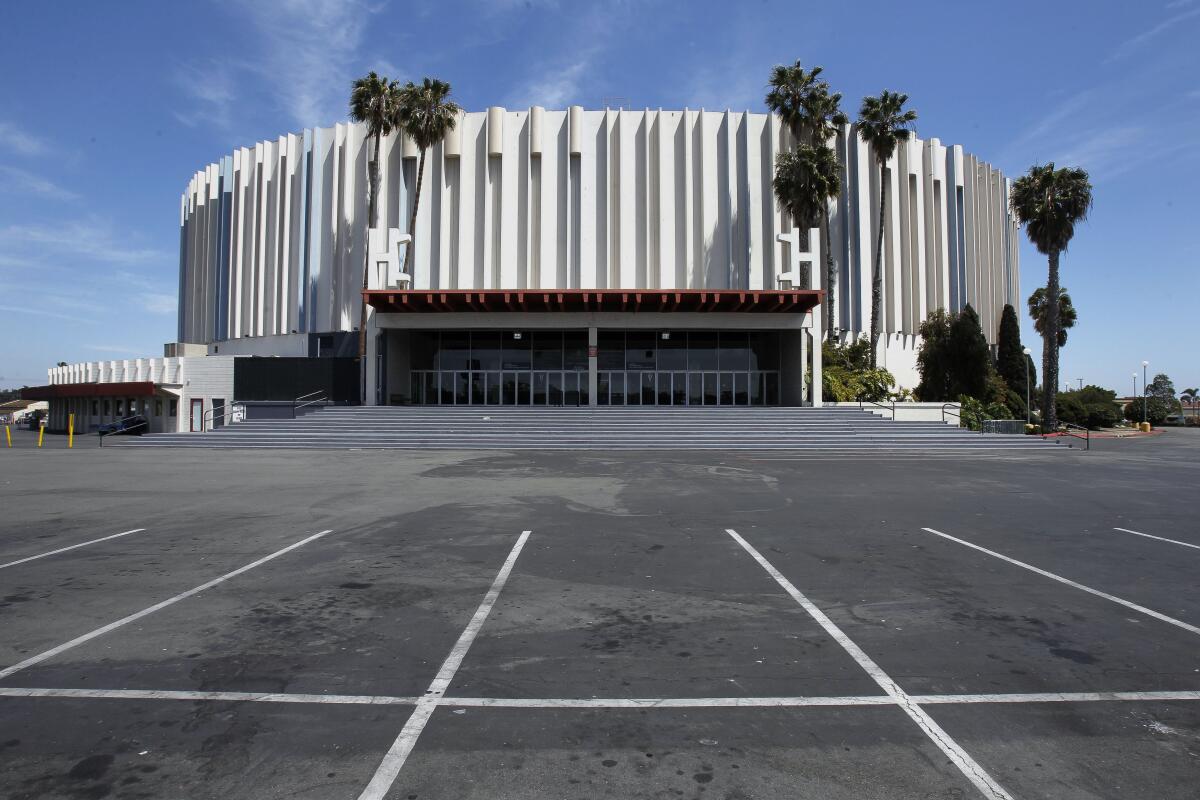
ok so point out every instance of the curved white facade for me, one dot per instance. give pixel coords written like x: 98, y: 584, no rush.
x: 272, y: 236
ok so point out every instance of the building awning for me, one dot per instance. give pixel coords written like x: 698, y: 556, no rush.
x: 565, y: 300
x: 60, y: 391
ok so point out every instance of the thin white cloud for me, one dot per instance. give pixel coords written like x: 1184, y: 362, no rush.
x: 1133, y: 43
x: 159, y: 302
x: 561, y: 87
x: 84, y: 239
x: 20, y: 141
x: 40, y: 312
x: 19, y: 181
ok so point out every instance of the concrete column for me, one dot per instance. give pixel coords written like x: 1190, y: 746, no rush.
x: 802, y: 337
x: 593, y: 361
x: 817, y: 334
x: 370, y: 358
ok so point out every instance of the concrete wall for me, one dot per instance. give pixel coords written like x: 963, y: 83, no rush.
x: 272, y: 235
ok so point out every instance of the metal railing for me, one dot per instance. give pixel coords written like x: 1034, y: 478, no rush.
x: 209, y: 421
x: 122, y: 422
x: 1067, y: 428
x: 961, y: 419
x: 1010, y: 427
x: 309, y: 399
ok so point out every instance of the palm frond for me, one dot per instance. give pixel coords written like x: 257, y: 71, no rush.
x: 1050, y: 202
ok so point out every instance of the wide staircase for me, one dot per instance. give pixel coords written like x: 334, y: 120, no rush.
x: 824, y: 430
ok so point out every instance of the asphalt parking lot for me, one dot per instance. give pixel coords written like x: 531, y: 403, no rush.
x: 204, y: 624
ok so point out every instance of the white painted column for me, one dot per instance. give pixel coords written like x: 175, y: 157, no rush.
x: 593, y: 363
x: 370, y: 357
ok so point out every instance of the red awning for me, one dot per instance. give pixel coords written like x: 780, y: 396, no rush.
x: 560, y: 300
x: 63, y: 390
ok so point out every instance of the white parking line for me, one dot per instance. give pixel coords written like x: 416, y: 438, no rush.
x: 973, y: 772
x: 666, y: 702
x: 398, y: 753
x: 236, y: 697
x: 78, y: 640
x: 72, y: 547
x: 599, y: 702
x: 1159, y: 538
x: 1068, y: 582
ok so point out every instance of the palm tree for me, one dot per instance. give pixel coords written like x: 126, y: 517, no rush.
x: 882, y: 123
x: 1050, y: 202
x: 373, y: 100
x: 425, y: 113
x: 1067, y: 315
x: 1190, y: 396
x: 813, y: 114
x: 805, y: 179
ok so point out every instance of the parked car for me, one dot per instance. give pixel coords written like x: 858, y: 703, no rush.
x: 130, y: 426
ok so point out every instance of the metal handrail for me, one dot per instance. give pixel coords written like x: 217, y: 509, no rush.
x: 957, y: 416
x: 1069, y: 426
x: 121, y: 421
x: 213, y: 419
x: 891, y: 407
x: 322, y: 399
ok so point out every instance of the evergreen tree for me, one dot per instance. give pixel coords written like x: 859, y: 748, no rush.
x: 968, y: 356
x: 1010, y: 356
x: 932, y: 359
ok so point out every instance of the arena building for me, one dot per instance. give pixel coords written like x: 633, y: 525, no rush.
x: 580, y: 257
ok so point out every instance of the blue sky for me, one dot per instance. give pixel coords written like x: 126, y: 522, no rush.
x: 106, y: 110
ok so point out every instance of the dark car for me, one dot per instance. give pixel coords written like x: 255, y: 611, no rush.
x: 130, y: 426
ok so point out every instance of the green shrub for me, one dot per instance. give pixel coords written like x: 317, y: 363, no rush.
x: 848, y: 376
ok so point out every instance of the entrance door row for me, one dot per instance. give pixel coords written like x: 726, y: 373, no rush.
x: 570, y: 388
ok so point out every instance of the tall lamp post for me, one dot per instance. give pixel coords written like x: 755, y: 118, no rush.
x: 1133, y: 397
x: 1028, y: 415
x: 1145, y: 416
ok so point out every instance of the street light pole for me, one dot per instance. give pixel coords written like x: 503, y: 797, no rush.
x: 1145, y: 416
x: 1028, y: 410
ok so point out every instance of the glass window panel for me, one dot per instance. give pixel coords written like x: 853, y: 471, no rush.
x: 735, y: 350
x: 640, y: 349
x: 575, y: 347
x: 756, y: 388
x: 764, y: 350
x: 548, y: 350
x: 612, y: 350
x: 672, y: 350
x: 741, y: 389
x: 485, y: 350
x: 710, y: 388
x: 772, y: 389
x: 454, y: 351
x: 554, y: 388
x: 633, y: 382
x: 664, y: 388
x: 540, y: 383
x: 523, y: 388
x: 478, y: 388
x: 648, y: 388
x: 602, y: 382
x: 517, y: 352
x: 424, y: 349
x: 702, y: 350
x: 431, y: 388
x: 616, y: 388
x: 581, y: 396
x: 462, y: 388
x: 726, y: 389
x: 695, y: 384
x: 493, y: 388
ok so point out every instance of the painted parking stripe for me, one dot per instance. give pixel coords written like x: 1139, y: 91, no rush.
x: 397, y: 754
x: 87, y: 637
x: 970, y: 769
x: 598, y: 702
x: 1160, y: 538
x: 72, y: 547
x: 235, y: 697
x: 1068, y: 582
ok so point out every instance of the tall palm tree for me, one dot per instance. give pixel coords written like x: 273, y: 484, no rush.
x: 805, y: 179
x: 1190, y: 396
x: 373, y: 100
x: 425, y: 113
x: 883, y: 123
x: 1067, y: 315
x: 813, y: 114
x: 1050, y: 202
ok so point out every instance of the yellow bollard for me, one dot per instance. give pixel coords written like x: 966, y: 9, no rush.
x: 41, y: 432
x: 8, y: 434
x: 70, y: 430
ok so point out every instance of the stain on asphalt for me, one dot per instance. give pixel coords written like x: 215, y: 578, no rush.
x: 91, y: 768
x: 1078, y: 656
